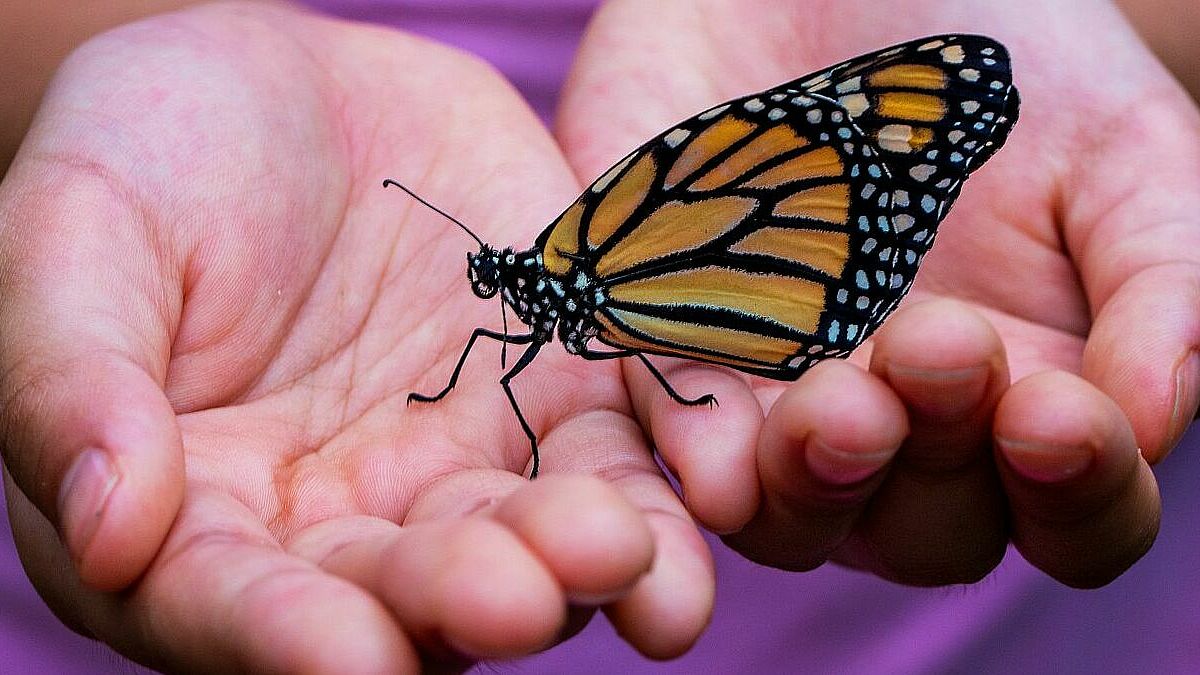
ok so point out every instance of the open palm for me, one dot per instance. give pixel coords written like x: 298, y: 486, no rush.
x: 213, y: 316
x: 1068, y: 266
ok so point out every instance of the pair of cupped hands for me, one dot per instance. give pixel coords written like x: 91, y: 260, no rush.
x: 211, y: 315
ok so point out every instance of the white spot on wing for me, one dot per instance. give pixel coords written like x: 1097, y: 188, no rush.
x: 855, y: 104
x: 954, y: 54
x: 709, y: 114
x: 896, y: 138
x: 602, y: 182
x: 847, y: 86
x: 922, y: 172
x: 676, y: 137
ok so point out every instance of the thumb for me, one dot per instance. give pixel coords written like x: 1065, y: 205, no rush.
x: 85, y: 426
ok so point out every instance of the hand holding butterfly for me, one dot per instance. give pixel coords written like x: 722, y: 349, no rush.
x: 212, y: 315
x: 1063, y: 333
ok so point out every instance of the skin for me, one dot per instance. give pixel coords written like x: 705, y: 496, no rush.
x: 1052, y: 332
x: 235, y: 332
x: 212, y: 315
x: 37, y: 36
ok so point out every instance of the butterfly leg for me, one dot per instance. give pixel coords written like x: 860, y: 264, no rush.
x: 530, y: 352
x: 521, y: 339
x: 707, y: 399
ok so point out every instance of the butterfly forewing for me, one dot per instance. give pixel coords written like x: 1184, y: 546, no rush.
x: 756, y: 234
x: 936, y: 109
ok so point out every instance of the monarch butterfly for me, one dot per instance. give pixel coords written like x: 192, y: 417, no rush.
x: 767, y: 233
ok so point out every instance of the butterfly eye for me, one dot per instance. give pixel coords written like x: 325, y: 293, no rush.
x: 483, y: 275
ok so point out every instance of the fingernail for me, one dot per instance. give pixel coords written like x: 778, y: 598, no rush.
x: 945, y: 394
x: 1046, y: 463
x: 842, y: 468
x: 1187, y: 390
x: 83, y: 497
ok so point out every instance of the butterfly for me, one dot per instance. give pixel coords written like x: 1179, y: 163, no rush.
x: 767, y: 233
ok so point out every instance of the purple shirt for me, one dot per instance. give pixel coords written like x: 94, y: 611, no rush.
x: 767, y: 621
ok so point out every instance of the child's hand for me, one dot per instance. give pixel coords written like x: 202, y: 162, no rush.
x: 212, y: 314
x: 1074, y: 260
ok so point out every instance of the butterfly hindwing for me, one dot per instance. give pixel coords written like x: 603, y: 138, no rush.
x: 756, y: 234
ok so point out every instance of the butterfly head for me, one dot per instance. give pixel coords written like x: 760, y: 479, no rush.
x: 483, y: 270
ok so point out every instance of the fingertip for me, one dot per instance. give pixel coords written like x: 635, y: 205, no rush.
x: 120, y: 494
x: 593, y: 540
x: 939, y: 332
x: 709, y: 448
x: 943, y: 358
x: 825, y: 449
x: 671, y: 606
x: 1054, y: 426
x: 474, y: 586
x: 1084, y: 503
x: 1144, y: 353
x: 821, y: 428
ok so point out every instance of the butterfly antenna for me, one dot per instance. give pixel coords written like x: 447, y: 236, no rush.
x: 449, y: 217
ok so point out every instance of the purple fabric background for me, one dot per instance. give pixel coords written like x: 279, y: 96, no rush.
x: 767, y: 621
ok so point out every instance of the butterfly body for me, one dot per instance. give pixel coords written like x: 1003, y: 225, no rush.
x: 767, y: 233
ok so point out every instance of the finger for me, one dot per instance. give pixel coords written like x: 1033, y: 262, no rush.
x: 594, y: 542
x: 1144, y: 352
x: 463, y: 586
x: 225, y: 598
x: 823, y: 453
x: 1084, y: 503
x: 1138, y: 246
x: 664, y: 613
x: 709, y: 448
x: 940, y: 517
x: 669, y: 608
x: 495, y: 581
x: 89, y: 435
